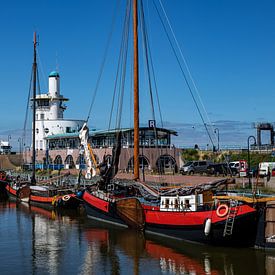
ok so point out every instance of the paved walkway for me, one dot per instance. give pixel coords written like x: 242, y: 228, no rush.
x: 173, y: 179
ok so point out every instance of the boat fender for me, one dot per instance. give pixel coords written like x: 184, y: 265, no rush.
x: 54, y: 200
x: 207, y: 226
x: 222, y: 210
x: 79, y: 194
x: 65, y: 197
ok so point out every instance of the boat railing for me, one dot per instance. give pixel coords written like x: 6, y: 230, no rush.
x: 103, y: 196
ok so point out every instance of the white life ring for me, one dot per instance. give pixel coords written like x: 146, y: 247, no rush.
x: 65, y: 197
x: 222, y: 210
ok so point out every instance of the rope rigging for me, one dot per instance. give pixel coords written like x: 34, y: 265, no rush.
x: 103, y: 61
x: 27, y: 111
x: 181, y: 67
x: 120, y: 72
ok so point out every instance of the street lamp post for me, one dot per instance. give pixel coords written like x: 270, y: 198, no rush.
x: 248, y: 158
x: 143, y: 142
x: 20, y: 145
x: 9, y: 138
x: 216, y: 131
x: 20, y: 150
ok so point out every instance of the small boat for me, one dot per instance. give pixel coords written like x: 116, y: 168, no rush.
x: 51, y: 193
x: 18, y: 191
x: 52, y: 197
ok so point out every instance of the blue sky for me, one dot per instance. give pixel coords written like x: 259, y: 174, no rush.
x: 229, y: 46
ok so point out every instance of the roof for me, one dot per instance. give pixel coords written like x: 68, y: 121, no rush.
x: 63, y: 135
x: 113, y: 131
x: 54, y: 74
x: 105, y: 132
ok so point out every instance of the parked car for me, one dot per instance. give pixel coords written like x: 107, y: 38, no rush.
x: 265, y: 168
x: 192, y: 167
x: 234, y: 164
x: 220, y: 169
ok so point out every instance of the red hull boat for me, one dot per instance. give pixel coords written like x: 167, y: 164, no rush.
x: 220, y: 222
x: 52, y: 197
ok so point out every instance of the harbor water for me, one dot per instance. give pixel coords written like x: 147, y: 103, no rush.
x: 38, y: 241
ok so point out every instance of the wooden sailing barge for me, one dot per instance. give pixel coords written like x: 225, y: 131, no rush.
x: 190, y: 214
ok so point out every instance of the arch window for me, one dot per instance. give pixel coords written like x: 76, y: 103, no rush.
x: 143, y: 163
x: 69, y: 160
x: 166, y: 163
x: 58, y: 160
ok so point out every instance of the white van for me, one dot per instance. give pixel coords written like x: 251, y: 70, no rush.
x: 264, y: 167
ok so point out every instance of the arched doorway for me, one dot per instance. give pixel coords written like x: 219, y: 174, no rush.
x: 58, y: 163
x: 143, y: 163
x: 166, y: 163
x: 80, y: 162
x: 108, y: 159
x: 69, y: 162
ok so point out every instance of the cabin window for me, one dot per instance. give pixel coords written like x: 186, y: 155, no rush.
x: 187, y: 204
x: 42, y: 116
x: 176, y: 203
x: 181, y: 204
x: 46, y: 130
x: 166, y: 203
x: 37, y: 130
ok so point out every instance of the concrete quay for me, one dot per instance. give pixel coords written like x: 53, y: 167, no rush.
x: 194, y: 180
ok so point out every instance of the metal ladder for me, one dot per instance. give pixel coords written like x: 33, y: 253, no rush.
x: 232, y: 211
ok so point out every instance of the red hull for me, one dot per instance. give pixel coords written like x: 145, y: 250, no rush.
x: 185, y: 225
x: 11, y: 191
x: 188, y: 218
x: 65, y: 201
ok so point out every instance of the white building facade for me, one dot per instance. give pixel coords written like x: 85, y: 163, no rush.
x: 50, y: 108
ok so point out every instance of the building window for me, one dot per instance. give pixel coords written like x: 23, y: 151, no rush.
x: 42, y: 116
x: 46, y: 130
x: 37, y: 130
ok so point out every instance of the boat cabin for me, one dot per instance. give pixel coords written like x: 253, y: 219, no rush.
x: 181, y: 203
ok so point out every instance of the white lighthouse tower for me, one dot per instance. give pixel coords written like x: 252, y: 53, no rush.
x: 49, y: 114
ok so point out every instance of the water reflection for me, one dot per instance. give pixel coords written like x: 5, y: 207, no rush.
x: 48, y: 242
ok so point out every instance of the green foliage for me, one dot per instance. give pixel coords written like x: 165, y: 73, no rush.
x: 190, y: 154
x: 255, y: 157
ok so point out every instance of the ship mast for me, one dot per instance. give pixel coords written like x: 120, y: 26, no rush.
x: 136, y: 92
x: 34, y: 68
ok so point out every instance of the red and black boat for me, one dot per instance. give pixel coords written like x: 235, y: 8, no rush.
x: 192, y: 217
x: 51, y: 197
x: 191, y: 214
x: 19, y: 191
